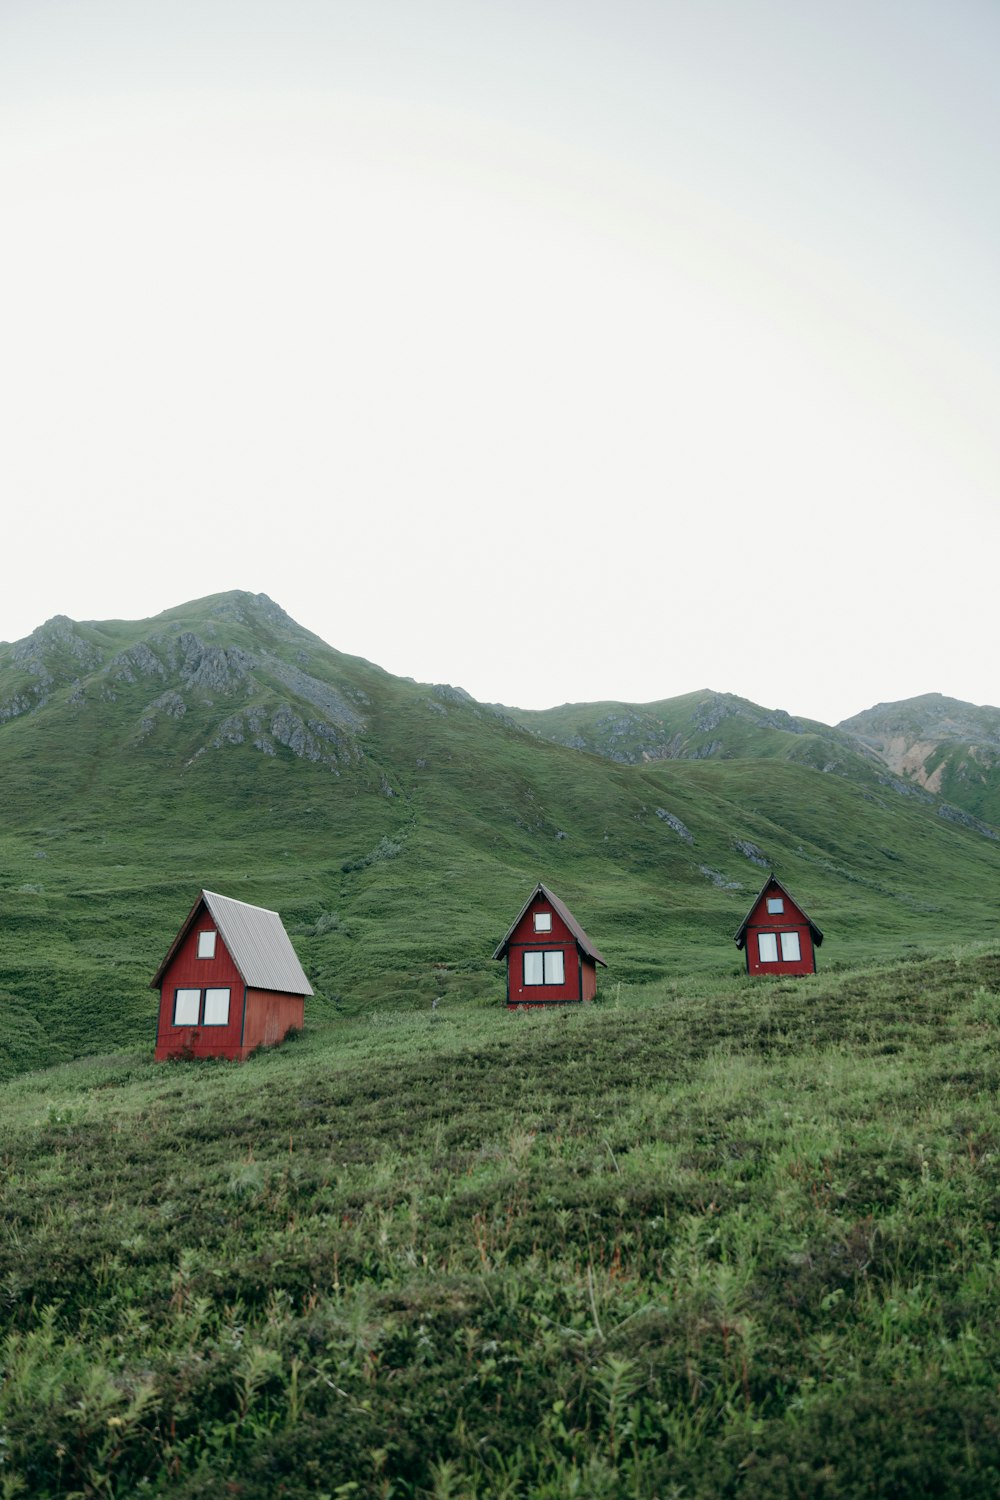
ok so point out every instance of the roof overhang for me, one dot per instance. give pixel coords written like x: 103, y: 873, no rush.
x: 582, y: 940
x: 739, y: 936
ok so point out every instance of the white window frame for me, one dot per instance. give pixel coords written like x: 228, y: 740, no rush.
x: 791, y: 948
x: 543, y: 921
x: 202, y: 1002
x: 188, y: 991
x: 775, y: 906
x: 206, y: 943
x: 771, y: 940
x: 553, y: 963
x: 212, y: 997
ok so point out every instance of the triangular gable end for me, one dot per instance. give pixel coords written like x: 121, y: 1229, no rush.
x: 567, y: 916
x: 739, y: 937
x: 255, y: 939
x: 185, y: 928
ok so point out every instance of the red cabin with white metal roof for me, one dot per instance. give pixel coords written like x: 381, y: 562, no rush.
x: 777, y: 935
x: 231, y: 982
x: 550, y: 959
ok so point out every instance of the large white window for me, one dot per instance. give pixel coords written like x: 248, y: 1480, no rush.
x: 790, y: 947
x: 187, y: 1004
x: 775, y: 905
x: 216, y: 1007
x: 206, y: 945
x: 543, y: 921
x: 208, y: 1007
x: 544, y: 968
x: 767, y: 947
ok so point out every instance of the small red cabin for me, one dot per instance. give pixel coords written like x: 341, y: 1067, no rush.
x: 230, y: 983
x: 550, y: 959
x: 778, y: 936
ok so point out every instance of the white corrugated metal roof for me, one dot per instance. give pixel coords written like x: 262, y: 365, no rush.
x: 258, y: 944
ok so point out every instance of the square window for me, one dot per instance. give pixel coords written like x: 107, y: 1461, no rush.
x: 767, y: 947
x: 216, y: 1007
x: 206, y: 945
x: 186, y: 1006
x: 790, y: 952
x: 543, y: 921
x: 775, y: 905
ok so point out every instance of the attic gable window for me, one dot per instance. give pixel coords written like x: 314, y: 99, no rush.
x: 206, y: 945
x: 775, y: 905
x: 544, y: 968
x: 543, y: 921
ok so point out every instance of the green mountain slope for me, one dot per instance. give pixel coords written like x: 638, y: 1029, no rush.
x: 933, y: 748
x: 698, y: 726
x: 949, y: 747
x: 397, y: 827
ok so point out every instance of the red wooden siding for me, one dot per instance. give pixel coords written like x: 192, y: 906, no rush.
x: 270, y: 1017
x: 578, y: 984
x: 188, y: 971
x: 775, y: 923
x: 589, y: 970
x: 252, y: 955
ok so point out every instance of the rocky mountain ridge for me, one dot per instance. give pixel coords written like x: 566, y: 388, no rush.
x: 266, y: 700
x: 932, y: 747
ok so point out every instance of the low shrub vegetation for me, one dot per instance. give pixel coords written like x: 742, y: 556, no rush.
x: 703, y: 1239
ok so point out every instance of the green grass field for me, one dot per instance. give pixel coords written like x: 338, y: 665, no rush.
x: 707, y: 1238
x: 699, y: 1240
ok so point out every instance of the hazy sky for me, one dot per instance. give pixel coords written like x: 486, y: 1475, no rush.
x: 565, y: 349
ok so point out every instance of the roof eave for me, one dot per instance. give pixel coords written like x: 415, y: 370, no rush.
x: 581, y: 939
x: 185, y: 928
x: 739, y: 936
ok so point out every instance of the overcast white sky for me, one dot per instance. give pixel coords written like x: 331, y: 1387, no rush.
x: 562, y: 349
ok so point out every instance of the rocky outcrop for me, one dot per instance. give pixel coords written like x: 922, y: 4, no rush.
x: 966, y: 820
x: 309, y: 739
x: 50, y: 657
x: 675, y: 823
x: 138, y: 661
x: 751, y: 852
x: 721, y: 706
x: 332, y: 704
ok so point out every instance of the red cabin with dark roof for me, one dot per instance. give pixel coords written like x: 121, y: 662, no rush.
x: 777, y: 935
x: 230, y: 982
x: 550, y: 959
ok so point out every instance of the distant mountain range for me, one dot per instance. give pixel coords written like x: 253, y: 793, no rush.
x: 398, y: 826
x: 931, y: 743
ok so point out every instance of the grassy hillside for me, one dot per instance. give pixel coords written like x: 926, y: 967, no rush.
x: 397, y: 827
x: 707, y: 1241
x: 932, y: 747
x: 694, y: 726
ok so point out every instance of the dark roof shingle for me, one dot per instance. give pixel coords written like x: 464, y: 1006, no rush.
x: 567, y: 916
x: 739, y: 937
